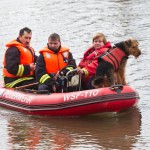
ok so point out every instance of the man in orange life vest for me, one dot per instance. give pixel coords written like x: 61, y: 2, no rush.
x: 52, y: 59
x: 19, y: 61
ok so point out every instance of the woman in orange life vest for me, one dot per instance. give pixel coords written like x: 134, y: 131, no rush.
x: 88, y: 64
x: 19, y: 61
x: 52, y: 59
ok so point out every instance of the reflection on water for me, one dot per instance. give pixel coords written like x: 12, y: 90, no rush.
x: 115, y: 132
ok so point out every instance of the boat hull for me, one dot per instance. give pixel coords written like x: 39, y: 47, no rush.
x: 69, y: 104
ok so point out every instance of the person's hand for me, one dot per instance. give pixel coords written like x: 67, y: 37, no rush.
x: 52, y: 84
x: 32, y: 67
x: 61, y: 73
x: 81, y: 71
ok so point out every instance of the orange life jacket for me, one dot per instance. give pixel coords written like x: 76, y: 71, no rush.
x: 26, y: 57
x: 114, y: 56
x: 55, y: 62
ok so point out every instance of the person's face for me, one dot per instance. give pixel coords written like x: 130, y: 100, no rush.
x: 54, y: 44
x: 98, y: 43
x: 25, y: 38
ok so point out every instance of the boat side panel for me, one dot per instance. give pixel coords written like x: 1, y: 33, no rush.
x: 111, y: 106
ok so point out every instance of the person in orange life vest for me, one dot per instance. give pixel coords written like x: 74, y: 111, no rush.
x: 89, y: 62
x: 52, y: 59
x: 19, y: 61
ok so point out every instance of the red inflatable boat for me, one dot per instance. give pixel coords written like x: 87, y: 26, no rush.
x: 111, y: 99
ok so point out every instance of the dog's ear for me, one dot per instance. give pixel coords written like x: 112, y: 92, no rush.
x: 128, y: 42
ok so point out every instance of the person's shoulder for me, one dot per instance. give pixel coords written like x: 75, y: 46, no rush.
x: 40, y: 59
x: 64, y: 47
x: 12, y: 50
x: 41, y: 55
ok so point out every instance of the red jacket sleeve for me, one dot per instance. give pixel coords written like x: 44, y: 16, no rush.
x: 91, y: 67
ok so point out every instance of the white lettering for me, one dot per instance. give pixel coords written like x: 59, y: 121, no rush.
x: 86, y: 93
x: 95, y: 92
x: 17, y: 96
x: 1, y: 91
x: 66, y: 97
x: 74, y: 96
x: 78, y: 94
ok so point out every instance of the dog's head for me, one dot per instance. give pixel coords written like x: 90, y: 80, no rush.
x: 132, y: 47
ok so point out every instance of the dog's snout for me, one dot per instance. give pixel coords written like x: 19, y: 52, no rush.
x: 138, y: 53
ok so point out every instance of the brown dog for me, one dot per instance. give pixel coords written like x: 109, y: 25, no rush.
x: 111, y: 67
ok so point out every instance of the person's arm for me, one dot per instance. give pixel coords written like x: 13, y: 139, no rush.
x: 40, y: 72
x: 35, y: 58
x: 72, y: 61
x: 13, y: 65
x: 85, y: 57
x: 91, y: 68
x: 71, y: 65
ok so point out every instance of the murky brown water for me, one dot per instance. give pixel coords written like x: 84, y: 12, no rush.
x: 76, y: 22
x: 92, y: 132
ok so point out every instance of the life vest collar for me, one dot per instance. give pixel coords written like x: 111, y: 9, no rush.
x: 122, y: 47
